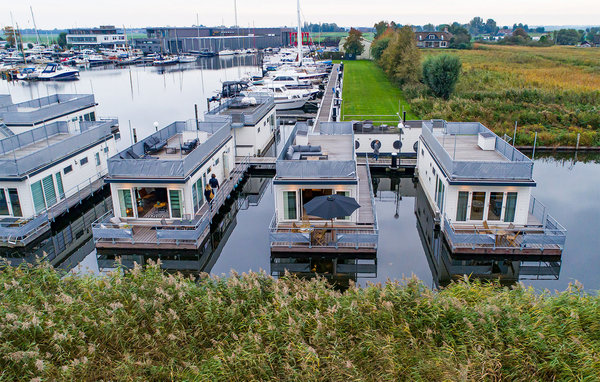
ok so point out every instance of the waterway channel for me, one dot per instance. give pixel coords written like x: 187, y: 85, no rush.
x: 569, y: 184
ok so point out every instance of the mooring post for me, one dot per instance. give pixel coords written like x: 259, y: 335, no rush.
x: 577, y: 146
x: 534, y: 143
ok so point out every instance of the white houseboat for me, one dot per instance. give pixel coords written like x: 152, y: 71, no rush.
x: 316, y: 164
x: 157, y: 187
x: 253, y: 122
x: 47, y: 170
x: 23, y: 116
x: 480, y: 188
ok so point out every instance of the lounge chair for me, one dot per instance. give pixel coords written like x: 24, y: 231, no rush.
x: 189, y: 146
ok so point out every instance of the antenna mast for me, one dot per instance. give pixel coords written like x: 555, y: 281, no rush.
x: 299, y: 37
x: 37, y: 35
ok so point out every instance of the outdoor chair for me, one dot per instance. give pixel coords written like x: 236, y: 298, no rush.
x: 320, y: 236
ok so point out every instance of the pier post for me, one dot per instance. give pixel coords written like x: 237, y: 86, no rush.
x: 534, y: 143
x: 577, y: 145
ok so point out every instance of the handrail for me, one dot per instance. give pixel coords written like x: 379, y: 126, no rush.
x: 372, y: 193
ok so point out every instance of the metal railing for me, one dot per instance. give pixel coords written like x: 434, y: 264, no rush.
x: 46, y: 108
x: 517, y: 166
x: 118, y: 165
x: 265, y: 103
x: 548, y: 235
x: 11, y: 165
x: 334, y: 237
x: 174, y: 231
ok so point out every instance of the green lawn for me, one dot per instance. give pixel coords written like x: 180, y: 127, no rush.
x: 368, y: 92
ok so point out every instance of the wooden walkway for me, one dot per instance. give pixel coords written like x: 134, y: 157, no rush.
x: 365, y: 212
x: 327, y: 101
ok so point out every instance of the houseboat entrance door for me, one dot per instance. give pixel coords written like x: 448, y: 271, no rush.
x: 225, y: 165
x: 152, y: 203
x: 308, y: 195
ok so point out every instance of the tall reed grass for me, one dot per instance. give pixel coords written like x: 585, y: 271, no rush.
x: 147, y: 325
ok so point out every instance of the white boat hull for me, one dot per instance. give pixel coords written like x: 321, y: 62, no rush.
x: 290, y: 104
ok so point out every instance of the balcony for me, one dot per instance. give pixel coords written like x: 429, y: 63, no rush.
x: 542, y: 235
x: 243, y: 113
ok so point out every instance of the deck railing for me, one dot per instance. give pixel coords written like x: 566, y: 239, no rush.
x: 179, y: 232
x: 46, y: 108
x: 339, y: 236
x: 517, y: 166
x: 266, y: 103
x: 549, y: 234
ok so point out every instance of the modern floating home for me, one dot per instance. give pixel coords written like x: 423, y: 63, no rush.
x: 480, y: 189
x: 253, y: 122
x: 158, y: 184
x: 47, y: 170
x: 317, y: 164
x: 23, y: 116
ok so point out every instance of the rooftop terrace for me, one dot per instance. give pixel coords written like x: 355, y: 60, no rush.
x: 164, y: 154
x: 22, y: 153
x: 44, y: 109
x: 244, y: 110
x: 457, y: 150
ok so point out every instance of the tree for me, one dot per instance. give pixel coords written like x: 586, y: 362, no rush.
x: 476, y: 25
x: 379, y: 46
x: 380, y: 27
x: 428, y: 27
x: 491, y: 27
x: 353, y: 45
x: 567, y: 37
x: 461, y: 39
x: 401, y: 59
x: 441, y: 73
x: 9, y: 33
x: 520, y: 32
x: 62, y: 39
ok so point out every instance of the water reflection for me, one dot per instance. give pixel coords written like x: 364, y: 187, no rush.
x: 446, y: 266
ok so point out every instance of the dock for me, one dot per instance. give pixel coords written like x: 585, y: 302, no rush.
x: 324, y: 113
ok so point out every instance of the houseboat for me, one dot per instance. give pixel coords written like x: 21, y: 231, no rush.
x: 317, y: 164
x: 23, y: 116
x: 158, y: 184
x: 480, y: 189
x: 47, y: 170
x: 252, y: 119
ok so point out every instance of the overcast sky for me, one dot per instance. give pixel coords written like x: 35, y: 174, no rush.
x: 85, y: 13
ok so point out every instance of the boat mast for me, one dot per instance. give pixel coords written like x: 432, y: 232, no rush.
x: 37, y: 35
x: 299, y: 37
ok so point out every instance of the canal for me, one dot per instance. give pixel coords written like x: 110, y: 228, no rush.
x: 569, y: 184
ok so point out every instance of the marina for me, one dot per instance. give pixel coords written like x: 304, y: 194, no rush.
x: 395, y: 244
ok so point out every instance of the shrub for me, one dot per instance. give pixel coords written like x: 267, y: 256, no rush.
x: 441, y: 73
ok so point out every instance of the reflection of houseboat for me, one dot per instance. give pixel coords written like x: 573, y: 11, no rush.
x: 315, y: 165
x: 23, y: 116
x: 158, y: 186
x: 252, y: 120
x: 446, y: 266
x: 480, y: 187
x: 47, y: 170
x: 339, y: 271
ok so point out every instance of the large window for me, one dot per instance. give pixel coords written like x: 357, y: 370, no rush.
x: 176, y: 203
x: 289, y: 205
x: 49, y: 191
x: 59, y: 185
x: 343, y: 193
x: 440, y: 194
x: 477, y: 206
x: 198, y: 194
x: 308, y: 195
x: 495, y: 205
x: 151, y: 202
x: 38, y: 197
x: 511, y: 205
x: 3, y: 203
x: 461, y: 208
x: 15, y: 203
x: 125, y: 203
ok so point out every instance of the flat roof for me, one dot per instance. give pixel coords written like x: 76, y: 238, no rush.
x: 465, y: 148
x: 337, y: 147
x: 36, y: 146
x: 45, y: 108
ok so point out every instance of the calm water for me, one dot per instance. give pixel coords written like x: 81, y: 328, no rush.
x: 568, y: 184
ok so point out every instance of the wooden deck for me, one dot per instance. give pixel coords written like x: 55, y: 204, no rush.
x: 327, y: 101
x: 365, y: 212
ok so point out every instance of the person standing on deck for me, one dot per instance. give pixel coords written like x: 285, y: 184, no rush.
x: 208, y: 193
x: 376, y: 152
x: 214, y: 183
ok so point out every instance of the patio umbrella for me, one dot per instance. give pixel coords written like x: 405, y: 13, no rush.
x: 331, y: 206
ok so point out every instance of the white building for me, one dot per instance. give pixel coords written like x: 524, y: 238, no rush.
x: 480, y: 187
x: 158, y: 184
x: 46, y: 170
x: 105, y: 36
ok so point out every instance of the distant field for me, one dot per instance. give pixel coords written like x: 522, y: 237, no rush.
x: 367, y: 92
x: 318, y: 37
x: 554, y: 91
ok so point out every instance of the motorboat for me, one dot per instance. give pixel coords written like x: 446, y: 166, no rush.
x: 54, y: 71
x: 163, y: 61
x: 226, y: 52
x: 187, y: 59
x: 285, y: 99
x: 29, y: 73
